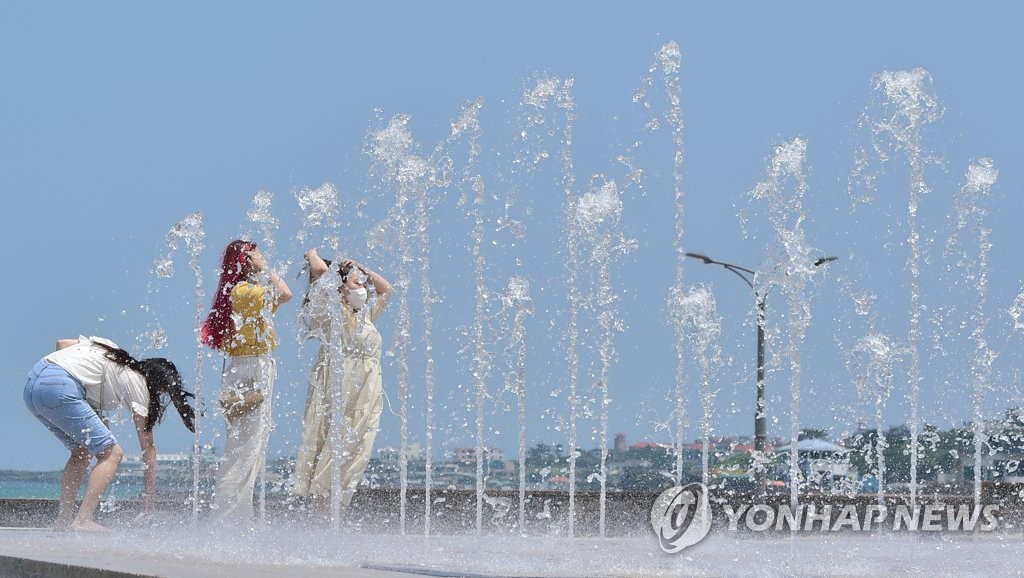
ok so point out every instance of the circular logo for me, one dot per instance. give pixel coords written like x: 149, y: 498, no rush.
x: 681, y: 517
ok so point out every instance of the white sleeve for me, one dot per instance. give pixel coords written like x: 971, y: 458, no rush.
x: 376, y: 310
x: 135, y: 394
x: 323, y: 297
x: 102, y: 340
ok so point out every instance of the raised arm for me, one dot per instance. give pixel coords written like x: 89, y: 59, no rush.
x: 380, y: 284
x: 281, y: 290
x: 62, y: 343
x: 317, y: 266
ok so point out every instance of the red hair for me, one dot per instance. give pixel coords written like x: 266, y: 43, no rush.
x: 219, y: 327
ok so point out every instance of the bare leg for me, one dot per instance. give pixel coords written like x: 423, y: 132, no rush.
x: 100, y: 478
x: 74, y: 471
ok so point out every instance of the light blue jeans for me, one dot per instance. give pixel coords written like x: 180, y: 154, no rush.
x: 58, y: 401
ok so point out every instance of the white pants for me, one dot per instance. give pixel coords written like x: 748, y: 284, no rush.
x: 247, y: 437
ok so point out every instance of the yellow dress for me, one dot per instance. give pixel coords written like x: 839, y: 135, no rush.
x: 358, y: 376
x: 251, y: 364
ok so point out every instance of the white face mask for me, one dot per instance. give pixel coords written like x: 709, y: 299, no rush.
x: 357, y: 297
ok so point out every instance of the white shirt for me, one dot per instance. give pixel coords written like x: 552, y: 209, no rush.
x: 107, y: 385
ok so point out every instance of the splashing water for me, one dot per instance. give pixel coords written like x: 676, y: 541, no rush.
x: 393, y: 150
x: 790, y: 267
x: 261, y: 217
x: 190, y: 231
x: 535, y: 102
x: 906, y: 106
x: 971, y: 211
x: 592, y: 223
x: 871, y: 362
x: 469, y: 124
x: 564, y: 100
x: 1016, y: 312
x: 539, y: 121
x: 323, y: 318
x: 319, y: 209
x: 695, y: 316
x: 669, y: 60
x: 436, y: 177
x: 517, y: 298
x: 598, y: 214
x: 423, y: 208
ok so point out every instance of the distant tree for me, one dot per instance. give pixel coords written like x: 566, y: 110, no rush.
x: 812, y: 434
x: 937, y: 452
x: 589, y: 459
x: 659, y: 458
x: 942, y: 451
x: 738, y: 462
x: 895, y: 448
x: 540, y: 456
x: 1010, y: 440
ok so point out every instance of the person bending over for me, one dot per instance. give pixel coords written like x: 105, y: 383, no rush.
x: 66, y: 391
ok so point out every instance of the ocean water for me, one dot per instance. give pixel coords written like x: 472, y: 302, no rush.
x: 46, y: 486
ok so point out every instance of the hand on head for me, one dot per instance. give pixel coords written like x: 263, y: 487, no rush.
x: 259, y: 262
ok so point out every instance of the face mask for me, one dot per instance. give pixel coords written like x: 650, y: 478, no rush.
x: 357, y: 297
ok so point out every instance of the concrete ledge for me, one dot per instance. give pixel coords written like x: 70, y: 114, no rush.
x: 90, y: 560
x: 453, y: 512
x: 24, y: 567
x: 175, y: 550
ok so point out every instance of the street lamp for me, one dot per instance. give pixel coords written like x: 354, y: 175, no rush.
x: 760, y: 420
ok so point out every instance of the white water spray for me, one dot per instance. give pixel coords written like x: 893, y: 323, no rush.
x: 393, y: 150
x: 790, y: 267
x: 469, y: 123
x: 695, y: 317
x: 190, y: 230
x: 907, y: 106
x: 517, y: 298
x: 971, y: 212
x: 871, y: 362
x: 262, y: 217
x: 669, y: 61
x: 598, y: 214
x: 564, y: 100
x: 319, y: 209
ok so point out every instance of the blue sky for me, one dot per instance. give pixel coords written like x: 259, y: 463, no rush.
x: 117, y: 120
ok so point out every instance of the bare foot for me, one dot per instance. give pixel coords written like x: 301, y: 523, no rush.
x: 88, y: 526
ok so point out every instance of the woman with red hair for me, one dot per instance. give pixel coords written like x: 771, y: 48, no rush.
x: 240, y: 324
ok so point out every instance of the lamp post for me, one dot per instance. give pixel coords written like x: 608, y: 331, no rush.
x: 760, y: 418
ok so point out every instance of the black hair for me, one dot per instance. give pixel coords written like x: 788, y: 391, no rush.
x: 162, y: 378
x: 343, y: 270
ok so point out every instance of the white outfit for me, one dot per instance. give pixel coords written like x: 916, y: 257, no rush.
x: 247, y: 438
x: 108, y: 385
x: 362, y: 387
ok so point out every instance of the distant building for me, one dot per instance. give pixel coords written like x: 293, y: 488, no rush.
x: 389, y: 455
x: 161, y: 459
x: 620, y: 445
x: 468, y: 455
x: 172, y: 467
